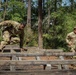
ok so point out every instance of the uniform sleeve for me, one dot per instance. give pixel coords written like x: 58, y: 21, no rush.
x: 68, y: 38
x: 9, y: 23
x: 15, y: 24
x: 4, y: 23
x: 21, y: 38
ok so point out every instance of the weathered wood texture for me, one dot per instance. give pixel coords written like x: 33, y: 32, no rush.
x: 37, y: 62
x: 52, y: 72
x: 24, y: 54
x: 17, y: 66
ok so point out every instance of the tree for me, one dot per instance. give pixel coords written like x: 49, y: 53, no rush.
x: 29, y: 13
x: 0, y: 4
x: 40, y: 38
x: 29, y: 34
x: 5, y: 7
x: 72, y: 5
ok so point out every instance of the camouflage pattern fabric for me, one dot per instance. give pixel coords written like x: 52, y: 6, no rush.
x: 71, y: 39
x: 11, y: 33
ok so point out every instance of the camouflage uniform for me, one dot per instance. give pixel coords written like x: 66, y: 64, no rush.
x: 11, y: 33
x: 71, y: 38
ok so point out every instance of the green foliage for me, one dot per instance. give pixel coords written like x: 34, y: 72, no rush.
x: 15, y: 10
x: 30, y: 37
x: 16, y: 17
x: 63, y: 23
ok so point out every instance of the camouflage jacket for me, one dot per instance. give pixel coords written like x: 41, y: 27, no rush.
x: 71, y: 37
x: 13, y: 28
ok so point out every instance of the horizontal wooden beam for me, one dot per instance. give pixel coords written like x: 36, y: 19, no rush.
x: 16, y: 47
x: 48, y: 50
x: 37, y: 62
x: 44, y: 72
x: 45, y: 53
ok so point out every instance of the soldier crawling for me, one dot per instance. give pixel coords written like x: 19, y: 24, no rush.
x: 71, y: 40
x: 12, y: 32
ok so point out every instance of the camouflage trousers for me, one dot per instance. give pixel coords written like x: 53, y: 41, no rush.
x: 73, y: 48
x: 7, y: 39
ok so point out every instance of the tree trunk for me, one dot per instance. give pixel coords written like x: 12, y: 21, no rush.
x: 54, y: 29
x: 55, y: 5
x: 40, y: 38
x: 5, y: 7
x: 29, y: 33
x: 49, y: 7
x: 72, y: 5
x: 0, y: 3
x: 29, y: 13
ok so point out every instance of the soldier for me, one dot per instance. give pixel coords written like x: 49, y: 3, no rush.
x: 12, y: 32
x: 71, y: 40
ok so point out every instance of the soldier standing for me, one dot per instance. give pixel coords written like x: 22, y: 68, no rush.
x: 71, y: 40
x: 12, y: 32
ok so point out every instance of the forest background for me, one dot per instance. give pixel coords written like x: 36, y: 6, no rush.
x: 48, y: 21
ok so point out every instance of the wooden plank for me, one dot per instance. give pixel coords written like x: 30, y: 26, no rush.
x: 12, y: 67
x: 51, y: 72
x: 12, y: 46
x: 37, y: 62
x: 37, y: 54
x: 47, y: 66
x: 16, y: 47
x: 60, y: 53
x: 47, y: 50
x: 37, y: 58
x: 65, y: 66
x: 22, y: 68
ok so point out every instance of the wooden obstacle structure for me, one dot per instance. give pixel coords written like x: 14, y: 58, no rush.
x: 33, y: 62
